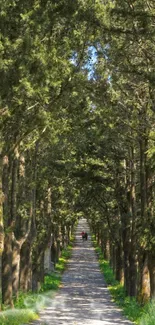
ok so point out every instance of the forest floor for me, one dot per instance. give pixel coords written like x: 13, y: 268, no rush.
x: 83, y: 298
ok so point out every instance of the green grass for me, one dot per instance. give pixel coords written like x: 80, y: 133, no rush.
x: 16, y: 316
x: 148, y: 317
x: 51, y: 282
x: 29, y: 304
x: 66, y: 253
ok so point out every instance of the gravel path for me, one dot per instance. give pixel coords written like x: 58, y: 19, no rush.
x: 83, y: 298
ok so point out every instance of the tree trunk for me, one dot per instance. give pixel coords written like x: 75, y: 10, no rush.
x: 7, y: 252
x: 7, y: 271
x: 106, y: 248
x: 124, y: 203
x: 16, y: 245
x: 58, y: 249
x: 1, y: 226
x: 13, y: 196
x: 26, y: 251
x: 133, y: 241
x: 119, y: 262
x: 16, y: 266
x: 37, y: 272
x: 151, y: 265
x: 26, y: 266
x: 69, y: 232
x: 65, y: 238
x: 20, y: 228
x: 112, y: 256
x: 133, y: 274
x: 126, y: 267
x: 145, y: 290
x: 143, y: 180
x: 144, y: 286
x: 53, y: 253
x: 42, y: 241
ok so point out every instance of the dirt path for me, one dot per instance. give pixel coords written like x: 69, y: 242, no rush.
x: 84, y: 298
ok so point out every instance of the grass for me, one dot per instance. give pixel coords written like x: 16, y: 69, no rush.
x: 51, y: 282
x: 142, y: 315
x: 16, y: 317
x: 29, y: 304
x: 149, y: 314
x: 66, y: 254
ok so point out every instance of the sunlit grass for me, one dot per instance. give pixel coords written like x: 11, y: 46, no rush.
x: 66, y: 254
x: 16, y: 316
x: 51, y: 282
x: 148, y: 317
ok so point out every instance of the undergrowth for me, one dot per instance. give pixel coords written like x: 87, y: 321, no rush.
x: 28, y: 305
x: 17, y: 316
x: 149, y: 314
x: 142, y: 315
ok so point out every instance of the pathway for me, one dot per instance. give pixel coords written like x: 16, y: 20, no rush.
x: 83, y: 298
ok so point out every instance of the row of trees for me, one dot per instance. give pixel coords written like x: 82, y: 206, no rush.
x: 43, y: 48
x: 125, y: 137
x: 77, y: 135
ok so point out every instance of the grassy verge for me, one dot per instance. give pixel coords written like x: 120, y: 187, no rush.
x: 28, y: 305
x: 142, y: 315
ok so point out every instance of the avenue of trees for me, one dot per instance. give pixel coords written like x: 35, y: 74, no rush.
x: 77, y: 136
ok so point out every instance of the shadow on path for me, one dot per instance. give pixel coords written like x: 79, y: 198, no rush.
x: 84, y: 297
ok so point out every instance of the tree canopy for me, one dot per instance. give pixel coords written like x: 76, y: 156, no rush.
x: 77, y: 135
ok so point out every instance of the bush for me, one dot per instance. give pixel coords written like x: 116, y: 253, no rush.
x: 17, y: 316
x: 51, y: 282
x: 148, y: 317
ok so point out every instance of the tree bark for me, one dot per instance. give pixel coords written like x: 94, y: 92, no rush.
x: 37, y: 278
x: 144, y: 216
x: 16, y: 255
x: 119, y: 262
x: 15, y: 267
x: 7, y: 252
x: 13, y: 215
x: 126, y: 268
x: 144, y: 285
x: 151, y: 265
x: 53, y: 253
x: 133, y: 273
x: 26, y: 251
x: 7, y: 271
x: 133, y: 241
x: 26, y: 266
x: 1, y: 224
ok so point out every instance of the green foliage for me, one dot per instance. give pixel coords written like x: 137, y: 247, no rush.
x: 116, y: 289
x: 51, y: 282
x: 17, y: 317
x: 148, y: 317
x: 104, y: 265
x: 26, y: 300
x: 108, y: 273
x: 87, y: 117
x: 66, y: 254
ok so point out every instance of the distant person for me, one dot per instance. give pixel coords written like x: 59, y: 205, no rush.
x: 82, y: 234
x: 86, y: 236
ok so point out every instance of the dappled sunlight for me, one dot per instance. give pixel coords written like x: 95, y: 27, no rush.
x: 84, y: 298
